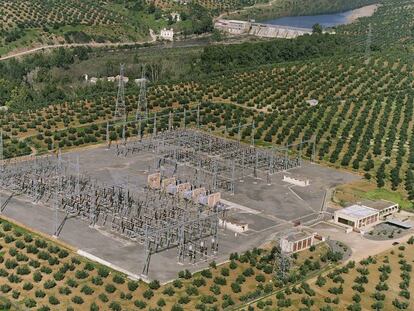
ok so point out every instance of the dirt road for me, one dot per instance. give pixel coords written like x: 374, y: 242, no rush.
x: 72, y: 45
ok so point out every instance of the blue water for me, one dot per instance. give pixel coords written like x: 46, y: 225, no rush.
x: 325, y: 20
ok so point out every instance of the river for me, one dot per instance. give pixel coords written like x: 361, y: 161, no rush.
x: 325, y: 20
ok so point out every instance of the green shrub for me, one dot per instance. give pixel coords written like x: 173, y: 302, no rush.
x: 72, y: 283
x: 206, y: 273
x: 40, y: 243
x: 31, y: 249
x: 97, y: 280
x: 118, y: 279
x: 3, y: 273
x: 140, y: 304
x: 13, y: 278
x: 225, y: 272
x: 87, y: 290
x: 40, y: 294
x: 185, y: 274
x: 46, y: 270
x: 58, y: 276
x: 20, y: 244
x: 133, y: 285
x: 177, y: 307
x: 103, y: 272
x: 63, y: 253
x: 94, y: 307
x: 53, y: 249
x: 78, y: 300
x: 155, y: 284
x: 11, y: 264
x: 233, y: 265
x: 184, y: 300
x: 53, y: 300
x: 235, y: 287
x: 215, y: 289
x: 21, y: 257
x: 148, y: 294
x: 191, y: 291
x: 177, y: 283
x: 161, y: 302
x: 30, y: 303
x: 103, y: 297
x: 27, y: 286
x: 28, y: 238
x: 49, y: 284
x: 5, y: 288
x: 81, y: 274
x: 16, y: 294
x: 75, y: 260
x: 110, y: 288
x: 89, y: 266
x: 65, y: 290
x: 7, y: 226
x: 220, y: 280
x: 34, y: 263
x: 260, y: 278
x: 199, y: 282
x: 169, y: 291
x: 115, y: 306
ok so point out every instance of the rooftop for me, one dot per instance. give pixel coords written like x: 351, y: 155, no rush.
x: 378, y: 205
x: 297, y: 236
x: 402, y: 224
x: 357, y: 211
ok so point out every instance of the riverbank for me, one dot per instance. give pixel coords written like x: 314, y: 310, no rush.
x: 365, y: 11
x: 283, y: 8
x: 325, y: 20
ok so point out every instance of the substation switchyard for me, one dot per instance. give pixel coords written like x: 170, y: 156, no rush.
x: 180, y: 190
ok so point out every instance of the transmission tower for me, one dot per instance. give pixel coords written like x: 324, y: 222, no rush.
x: 368, y: 45
x: 120, y: 110
x: 142, y: 100
x: 281, y: 264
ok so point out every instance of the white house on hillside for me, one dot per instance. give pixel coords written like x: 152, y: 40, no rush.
x: 167, y: 34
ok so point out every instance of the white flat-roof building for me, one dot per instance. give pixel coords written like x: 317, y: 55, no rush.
x: 357, y: 216
x: 385, y: 208
x: 167, y: 34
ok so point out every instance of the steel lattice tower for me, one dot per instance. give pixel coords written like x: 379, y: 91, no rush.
x: 120, y: 109
x: 142, y: 100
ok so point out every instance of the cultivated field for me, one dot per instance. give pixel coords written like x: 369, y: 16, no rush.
x: 40, y: 274
x: 376, y: 283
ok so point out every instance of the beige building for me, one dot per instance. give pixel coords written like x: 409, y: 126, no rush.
x: 357, y: 216
x: 298, y: 241
x: 233, y: 26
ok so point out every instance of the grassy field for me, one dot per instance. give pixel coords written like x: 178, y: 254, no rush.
x: 364, y: 190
